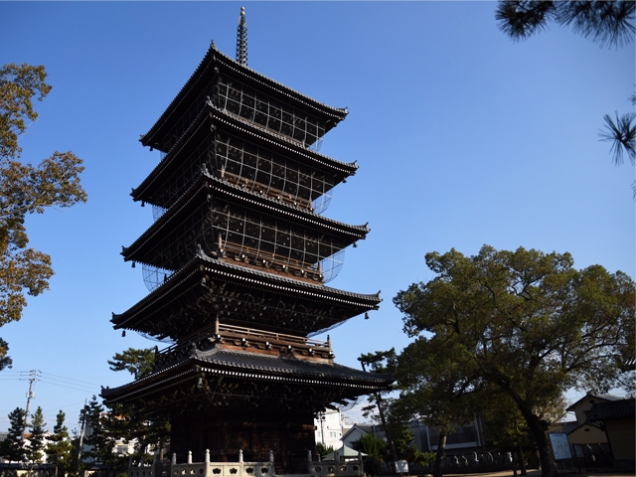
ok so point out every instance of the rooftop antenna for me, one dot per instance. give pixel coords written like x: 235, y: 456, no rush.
x: 241, y: 39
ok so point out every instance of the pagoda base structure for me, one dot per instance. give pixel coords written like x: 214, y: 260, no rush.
x: 242, y: 394
x: 225, y: 433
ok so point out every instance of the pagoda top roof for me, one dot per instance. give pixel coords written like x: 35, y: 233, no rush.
x: 253, y: 366
x: 195, y: 270
x: 207, y: 182
x: 254, y: 132
x: 215, y: 58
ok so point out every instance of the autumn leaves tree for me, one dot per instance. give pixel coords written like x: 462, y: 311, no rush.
x: 26, y: 188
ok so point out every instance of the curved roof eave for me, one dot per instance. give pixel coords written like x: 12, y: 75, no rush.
x: 263, y: 367
x: 290, y: 212
x: 337, y: 114
x: 201, y: 262
x: 347, y: 168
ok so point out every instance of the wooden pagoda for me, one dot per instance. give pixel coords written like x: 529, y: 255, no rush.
x: 236, y: 263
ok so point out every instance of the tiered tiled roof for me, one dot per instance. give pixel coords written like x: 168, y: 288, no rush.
x: 214, y: 59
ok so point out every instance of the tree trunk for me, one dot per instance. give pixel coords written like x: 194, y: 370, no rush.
x: 441, y: 446
x: 548, y: 468
x: 522, y: 461
x: 386, y: 429
x: 378, y: 402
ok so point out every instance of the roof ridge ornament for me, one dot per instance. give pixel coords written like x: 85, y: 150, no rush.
x: 241, y: 40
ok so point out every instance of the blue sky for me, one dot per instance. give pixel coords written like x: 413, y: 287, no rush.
x: 463, y: 138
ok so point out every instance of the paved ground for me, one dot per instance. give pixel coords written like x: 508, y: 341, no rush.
x: 565, y: 473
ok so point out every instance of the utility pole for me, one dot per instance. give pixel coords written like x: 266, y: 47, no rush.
x: 34, y: 376
x: 81, y: 440
x: 321, y: 416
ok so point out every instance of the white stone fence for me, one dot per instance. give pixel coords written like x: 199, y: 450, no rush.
x: 331, y: 467
x: 325, y: 468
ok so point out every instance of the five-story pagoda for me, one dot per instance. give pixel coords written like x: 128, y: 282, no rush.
x: 237, y: 261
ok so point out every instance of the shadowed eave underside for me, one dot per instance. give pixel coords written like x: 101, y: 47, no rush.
x: 207, y: 288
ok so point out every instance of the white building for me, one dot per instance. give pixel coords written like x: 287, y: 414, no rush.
x: 329, y: 428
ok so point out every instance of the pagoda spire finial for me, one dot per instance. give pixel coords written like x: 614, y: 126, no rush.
x: 241, y: 39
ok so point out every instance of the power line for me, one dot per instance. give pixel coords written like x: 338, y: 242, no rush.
x: 49, y: 378
x: 71, y: 379
x: 86, y: 389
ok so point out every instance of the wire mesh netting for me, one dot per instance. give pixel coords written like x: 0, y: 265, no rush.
x: 232, y: 230
x: 154, y: 276
x: 249, y: 165
x: 259, y: 170
x: 246, y: 236
x: 260, y: 108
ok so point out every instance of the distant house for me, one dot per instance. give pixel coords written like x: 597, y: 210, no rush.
x: 618, y: 418
x: 464, y: 438
x: 586, y: 431
x: 353, y: 434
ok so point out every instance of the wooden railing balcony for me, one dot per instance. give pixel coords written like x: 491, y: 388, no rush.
x: 268, y: 190
x: 249, y: 338
x: 273, y: 263
x: 253, y: 334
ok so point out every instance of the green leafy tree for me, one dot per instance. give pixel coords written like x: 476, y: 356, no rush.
x: 323, y: 450
x: 606, y: 22
x: 25, y: 189
x: 127, y: 422
x: 375, y: 449
x: 399, y: 417
x: 370, y: 445
x: 507, y: 430
x: 382, y: 362
x: 59, y: 451
x: 97, y: 445
x: 526, y: 323
x: 138, y: 362
x: 438, y: 387
x: 35, y: 447
x: 372, y: 466
x: 12, y: 448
